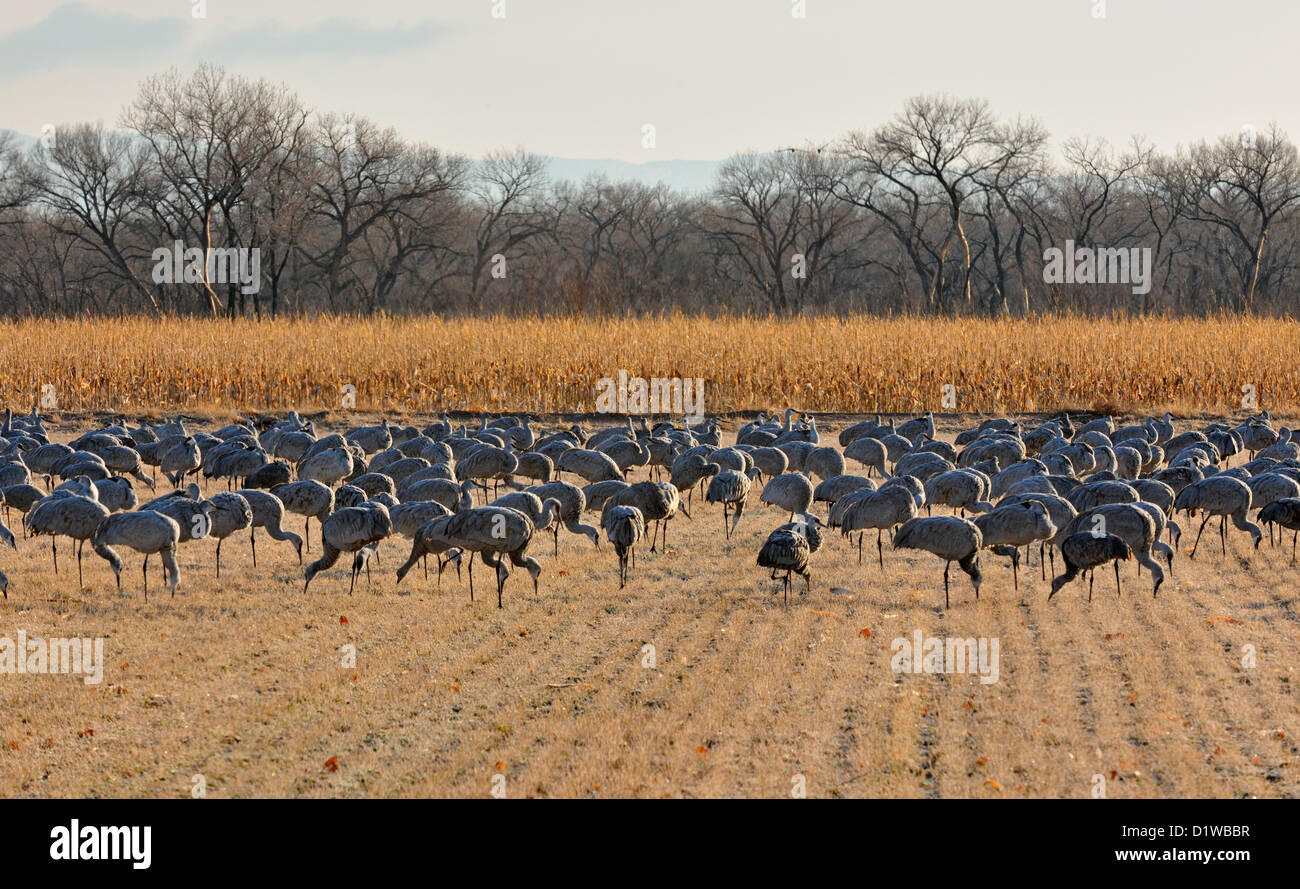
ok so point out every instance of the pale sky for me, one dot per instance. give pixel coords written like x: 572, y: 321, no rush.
x: 579, y: 78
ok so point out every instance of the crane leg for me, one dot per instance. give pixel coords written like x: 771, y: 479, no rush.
x: 219, y: 542
x: 1223, y: 534
x: 946, y: 566
x: 1091, y: 578
x: 1198, y: 537
x: 880, y: 548
x: 1118, y: 591
x: 80, y: 582
x: 252, y: 542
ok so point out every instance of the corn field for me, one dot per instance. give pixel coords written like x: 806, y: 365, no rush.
x: 851, y: 365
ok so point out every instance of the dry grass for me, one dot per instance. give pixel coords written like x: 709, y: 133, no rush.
x: 241, y: 681
x: 549, y: 366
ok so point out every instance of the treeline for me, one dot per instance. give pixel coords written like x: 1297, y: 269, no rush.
x: 945, y: 209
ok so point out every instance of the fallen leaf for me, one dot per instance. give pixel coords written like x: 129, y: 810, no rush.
x: 332, y: 764
x: 343, y: 619
x: 865, y: 633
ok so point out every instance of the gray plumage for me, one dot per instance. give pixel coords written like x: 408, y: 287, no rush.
x: 146, y: 532
x: 950, y: 538
x: 1085, y: 551
x: 348, y: 530
x: 1218, y: 495
x: 624, y: 528
x: 268, y: 513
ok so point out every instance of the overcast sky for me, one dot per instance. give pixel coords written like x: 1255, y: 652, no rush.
x: 580, y: 78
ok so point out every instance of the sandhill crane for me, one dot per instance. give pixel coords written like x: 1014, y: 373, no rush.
x: 329, y: 467
x: 440, y: 490
x: 572, y: 504
x: 125, y: 461
x: 950, y: 538
x: 4, y: 585
x: 593, y: 466
x: 1015, y: 525
x: 1222, y: 496
x: 371, y: 439
x: 193, y: 516
x: 535, y: 466
x: 658, y: 502
x: 1127, y: 521
x: 491, y: 531
x: 180, y: 460
x: 269, y: 475
x: 882, y: 510
x: 689, y: 469
x: 373, y: 483
x: 116, y: 494
x: 863, y: 429
x: 824, y: 462
x: 267, y: 512
x: 788, y: 549
x: 792, y: 491
x: 729, y: 488
x: 408, y: 519
x: 231, y: 512
x: 1269, y: 487
x: 145, y: 532
x: 624, y: 527
x: 1284, y: 512
x: 838, y: 487
x: 809, y: 434
x: 966, y: 490
x: 486, y: 462
x: 1085, y: 551
x: 7, y: 536
x: 914, y: 429
x: 306, y: 498
x: 628, y: 455
x: 1100, y: 493
x: 40, y: 460
x: 348, y: 530
x: 870, y: 452
x: 75, y: 517
x: 770, y: 462
x: 530, y: 505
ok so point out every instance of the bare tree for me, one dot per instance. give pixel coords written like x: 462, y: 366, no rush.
x: 1243, y: 184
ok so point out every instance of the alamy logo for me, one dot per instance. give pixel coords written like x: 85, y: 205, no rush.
x: 946, y: 655
x: 81, y: 655
x: 1103, y: 265
x: 90, y: 843
x: 658, y: 395
x: 224, y: 265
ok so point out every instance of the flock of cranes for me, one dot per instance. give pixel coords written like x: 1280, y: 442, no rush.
x: 1096, y: 492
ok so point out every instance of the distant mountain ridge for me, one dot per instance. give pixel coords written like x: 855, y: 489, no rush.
x: 682, y: 175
